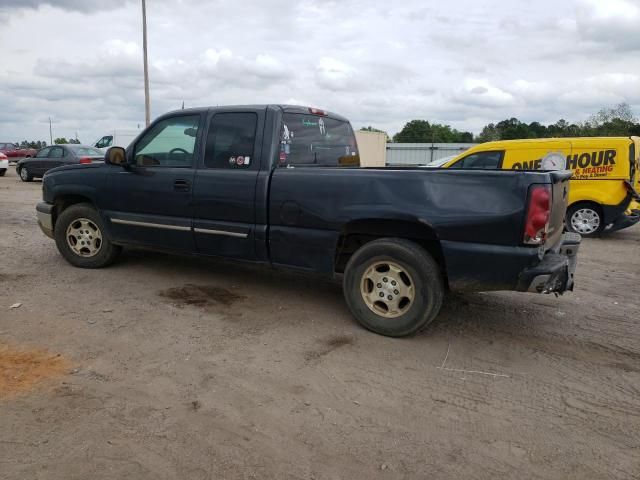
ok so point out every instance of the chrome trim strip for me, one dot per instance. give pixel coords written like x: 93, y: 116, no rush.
x: 221, y: 232
x: 152, y: 225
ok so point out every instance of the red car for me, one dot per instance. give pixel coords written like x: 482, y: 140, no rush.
x: 14, y: 152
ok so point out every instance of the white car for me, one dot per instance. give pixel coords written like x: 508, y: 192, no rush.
x: 4, y: 164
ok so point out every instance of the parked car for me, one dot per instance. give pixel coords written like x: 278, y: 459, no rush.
x: 4, y: 164
x: 56, y: 156
x: 605, y: 182
x: 115, y: 138
x: 280, y: 186
x: 14, y: 152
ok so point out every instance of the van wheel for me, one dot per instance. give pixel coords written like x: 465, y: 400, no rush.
x: 81, y: 238
x: 25, y: 176
x: 585, y: 219
x: 393, y: 287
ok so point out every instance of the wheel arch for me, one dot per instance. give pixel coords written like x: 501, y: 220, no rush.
x: 357, y: 233
x: 63, y: 202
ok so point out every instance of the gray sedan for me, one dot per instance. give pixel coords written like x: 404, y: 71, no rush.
x: 56, y: 156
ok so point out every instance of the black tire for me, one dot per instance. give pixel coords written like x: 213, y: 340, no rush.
x: 24, y: 174
x: 2, y: 172
x: 422, y: 270
x: 107, y: 252
x: 588, y: 208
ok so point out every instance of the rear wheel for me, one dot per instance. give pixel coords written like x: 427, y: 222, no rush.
x: 81, y: 239
x: 393, y: 287
x: 25, y: 176
x: 585, y: 219
x: 2, y: 172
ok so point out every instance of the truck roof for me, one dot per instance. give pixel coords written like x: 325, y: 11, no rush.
x: 284, y: 107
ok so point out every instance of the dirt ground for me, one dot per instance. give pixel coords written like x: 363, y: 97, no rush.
x: 183, y: 368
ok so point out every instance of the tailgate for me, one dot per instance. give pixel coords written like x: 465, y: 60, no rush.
x: 560, y: 196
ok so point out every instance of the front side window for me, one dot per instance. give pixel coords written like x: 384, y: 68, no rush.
x: 314, y: 140
x: 169, y: 143
x: 481, y: 160
x: 43, y: 153
x: 105, y: 141
x: 230, y: 141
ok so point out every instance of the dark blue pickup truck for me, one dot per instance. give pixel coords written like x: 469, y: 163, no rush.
x: 282, y: 186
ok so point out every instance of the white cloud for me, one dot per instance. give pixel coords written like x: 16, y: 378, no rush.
x: 379, y: 63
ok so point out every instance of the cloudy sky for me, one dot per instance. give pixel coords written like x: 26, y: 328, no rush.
x: 379, y: 62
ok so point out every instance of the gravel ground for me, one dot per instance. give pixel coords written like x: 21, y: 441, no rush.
x: 194, y: 369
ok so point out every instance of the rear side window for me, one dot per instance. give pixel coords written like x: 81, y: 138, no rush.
x: 311, y: 140
x: 230, y: 141
x: 56, y: 152
x: 480, y: 160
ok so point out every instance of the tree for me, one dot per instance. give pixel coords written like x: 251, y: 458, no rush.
x: 615, y: 121
x: 415, y: 131
x: 421, y: 131
x: 60, y: 141
x: 489, y: 133
x: 32, y: 144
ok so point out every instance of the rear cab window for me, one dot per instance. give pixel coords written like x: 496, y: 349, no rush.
x: 314, y: 140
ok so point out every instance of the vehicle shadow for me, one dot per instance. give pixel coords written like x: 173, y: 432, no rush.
x: 480, y: 315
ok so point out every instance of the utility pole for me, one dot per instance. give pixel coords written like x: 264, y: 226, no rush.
x: 147, y: 107
x: 50, y: 132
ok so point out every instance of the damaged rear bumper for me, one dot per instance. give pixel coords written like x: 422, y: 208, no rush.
x: 554, y: 273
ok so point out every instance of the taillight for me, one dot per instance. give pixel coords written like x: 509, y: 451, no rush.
x: 85, y: 160
x: 538, y: 214
x: 317, y: 111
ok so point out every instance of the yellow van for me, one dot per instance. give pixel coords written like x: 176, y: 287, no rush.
x: 603, y: 194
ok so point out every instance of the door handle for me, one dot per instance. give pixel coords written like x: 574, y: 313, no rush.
x: 181, y: 186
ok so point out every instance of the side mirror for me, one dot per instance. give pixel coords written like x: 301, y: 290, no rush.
x: 115, y: 156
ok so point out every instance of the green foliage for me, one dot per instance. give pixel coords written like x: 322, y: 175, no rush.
x: 63, y: 141
x: 618, y: 121
x: 37, y: 144
x: 421, y: 131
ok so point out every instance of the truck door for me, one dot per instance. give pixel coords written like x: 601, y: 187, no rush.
x: 150, y: 203
x: 225, y: 185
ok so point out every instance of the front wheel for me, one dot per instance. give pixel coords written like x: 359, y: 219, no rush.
x: 393, y: 287
x: 81, y: 239
x: 585, y: 219
x: 25, y: 176
x: 2, y: 172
